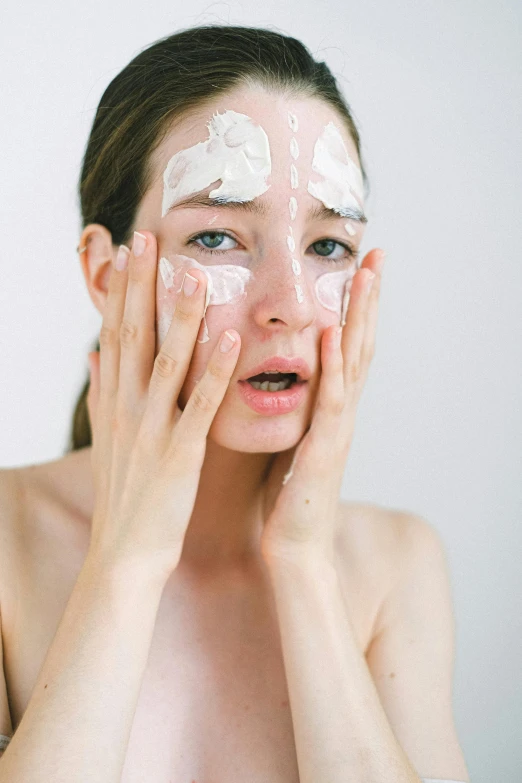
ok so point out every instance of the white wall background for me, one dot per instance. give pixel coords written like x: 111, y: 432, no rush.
x: 436, y: 88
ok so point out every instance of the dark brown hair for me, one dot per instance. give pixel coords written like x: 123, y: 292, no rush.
x: 167, y: 80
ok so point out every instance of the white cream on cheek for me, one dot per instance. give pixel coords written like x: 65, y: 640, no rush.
x: 225, y: 285
x: 333, y: 291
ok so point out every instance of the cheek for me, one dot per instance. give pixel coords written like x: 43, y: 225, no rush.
x: 218, y: 318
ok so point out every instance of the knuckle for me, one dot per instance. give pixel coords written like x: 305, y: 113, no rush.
x: 337, y: 406
x: 116, y: 426
x: 164, y: 365
x: 200, y: 401
x: 128, y: 333
x: 108, y: 336
x: 217, y: 372
x: 182, y: 315
x: 353, y: 371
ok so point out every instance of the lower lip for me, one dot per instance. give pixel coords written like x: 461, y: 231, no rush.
x: 273, y: 403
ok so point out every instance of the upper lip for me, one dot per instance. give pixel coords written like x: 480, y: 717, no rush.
x: 281, y: 364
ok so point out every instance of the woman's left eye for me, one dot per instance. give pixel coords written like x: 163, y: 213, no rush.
x: 326, y: 246
x: 215, y: 239
x: 323, y: 247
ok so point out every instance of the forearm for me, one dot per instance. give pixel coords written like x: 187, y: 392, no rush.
x: 341, y: 730
x: 77, y: 724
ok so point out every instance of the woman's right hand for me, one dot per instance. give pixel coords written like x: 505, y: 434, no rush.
x: 147, y: 454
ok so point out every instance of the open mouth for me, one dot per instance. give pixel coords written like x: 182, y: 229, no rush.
x: 273, y: 381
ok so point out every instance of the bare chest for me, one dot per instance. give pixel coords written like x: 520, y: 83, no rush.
x: 214, y: 703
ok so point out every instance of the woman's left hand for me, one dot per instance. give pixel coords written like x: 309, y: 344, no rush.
x: 302, y: 490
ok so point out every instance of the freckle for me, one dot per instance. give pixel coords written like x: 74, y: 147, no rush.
x: 45, y: 686
x: 392, y: 674
x: 284, y: 703
x: 307, y: 501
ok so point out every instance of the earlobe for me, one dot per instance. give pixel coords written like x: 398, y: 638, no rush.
x: 96, y: 253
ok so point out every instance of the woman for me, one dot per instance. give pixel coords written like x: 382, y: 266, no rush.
x: 187, y: 598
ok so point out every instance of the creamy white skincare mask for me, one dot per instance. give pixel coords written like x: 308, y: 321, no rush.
x: 225, y: 285
x: 293, y: 205
x: 236, y: 152
x: 341, y: 187
x: 333, y: 291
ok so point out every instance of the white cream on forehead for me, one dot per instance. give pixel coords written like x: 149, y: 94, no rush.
x: 236, y: 152
x: 225, y: 284
x: 341, y: 187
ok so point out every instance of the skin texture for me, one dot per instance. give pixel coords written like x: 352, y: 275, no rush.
x: 269, y: 320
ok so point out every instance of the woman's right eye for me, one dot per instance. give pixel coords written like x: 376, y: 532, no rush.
x: 215, y: 238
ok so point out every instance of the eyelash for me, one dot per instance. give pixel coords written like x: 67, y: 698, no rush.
x: 349, y: 249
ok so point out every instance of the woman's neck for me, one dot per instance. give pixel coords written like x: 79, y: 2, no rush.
x: 226, y: 524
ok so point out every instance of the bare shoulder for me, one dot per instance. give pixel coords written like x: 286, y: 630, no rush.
x: 41, y: 502
x: 56, y: 488
x: 367, y: 530
x: 381, y: 547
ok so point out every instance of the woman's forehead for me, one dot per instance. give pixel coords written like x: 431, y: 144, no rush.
x: 270, y: 111
x: 245, y: 149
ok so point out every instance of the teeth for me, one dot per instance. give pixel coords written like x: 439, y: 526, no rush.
x: 269, y: 386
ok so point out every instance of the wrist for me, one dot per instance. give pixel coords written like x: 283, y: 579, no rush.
x: 129, y: 573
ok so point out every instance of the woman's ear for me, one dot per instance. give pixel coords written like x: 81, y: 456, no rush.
x: 96, y: 253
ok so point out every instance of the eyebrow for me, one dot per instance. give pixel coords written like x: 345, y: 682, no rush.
x: 257, y: 207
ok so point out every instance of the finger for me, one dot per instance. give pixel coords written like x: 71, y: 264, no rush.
x: 353, y: 331
x: 93, y: 392
x: 109, y: 359
x: 331, y: 399
x: 330, y: 396
x: 192, y: 429
x: 173, y: 360
x: 138, y: 328
x: 368, y: 349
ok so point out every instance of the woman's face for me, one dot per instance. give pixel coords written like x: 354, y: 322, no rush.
x: 275, y: 254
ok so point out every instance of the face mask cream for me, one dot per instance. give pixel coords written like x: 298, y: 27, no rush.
x: 236, y: 152
x: 332, y: 291
x: 341, y: 186
x: 225, y: 283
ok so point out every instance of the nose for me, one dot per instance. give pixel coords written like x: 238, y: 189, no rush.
x: 276, y: 302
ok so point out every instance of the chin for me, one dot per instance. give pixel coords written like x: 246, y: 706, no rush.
x: 261, y: 435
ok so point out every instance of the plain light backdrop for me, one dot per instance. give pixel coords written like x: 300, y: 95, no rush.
x: 436, y: 91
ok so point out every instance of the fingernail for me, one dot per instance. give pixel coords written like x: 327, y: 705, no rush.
x: 227, y: 341
x: 190, y: 284
x: 370, y: 283
x: 122, y: 258
x: 139, y: 244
